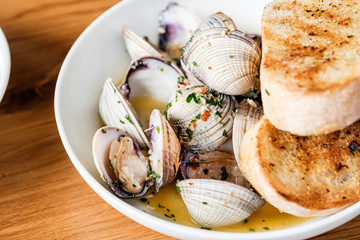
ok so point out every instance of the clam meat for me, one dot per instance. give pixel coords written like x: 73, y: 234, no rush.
x: 120, y: 162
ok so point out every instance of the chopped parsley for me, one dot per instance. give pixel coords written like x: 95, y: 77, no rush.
x: 122, y: 121
x: 111, y: 166
x: 167, y: 109
x: 178, y: 189
x: 206, y: 228
x: 198, y: 116
x: 158, y: 129
x: 103, y: 131
x: 195, y: 64
x: 128, y: 118
x: 205, y: 203
x: 218, y: 113
x: 168, y: 62
x: 266, y: 228
x: 146, y: 38
x: 134, y: 185
x: 224, y: 133
x: 192, y: 96
x: 267, y: 92
x: 189, y: 133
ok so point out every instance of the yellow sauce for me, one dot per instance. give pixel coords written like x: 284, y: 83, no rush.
x: 168, y: 202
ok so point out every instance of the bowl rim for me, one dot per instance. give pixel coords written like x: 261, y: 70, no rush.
x: 5, y: 54
x: 305, y: 230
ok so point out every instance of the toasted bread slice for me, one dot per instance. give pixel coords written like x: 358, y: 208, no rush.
x: 310, y: 70
x: 303, y: 176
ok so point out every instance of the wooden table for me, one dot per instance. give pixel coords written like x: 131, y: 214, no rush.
x: 41, y: 194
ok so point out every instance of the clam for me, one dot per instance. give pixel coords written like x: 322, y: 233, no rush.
x: 120, y: 162
x: 248, y: 113
x: 218, y: 165
x: 115, y: 110
x: 164, y: 150
x: 138, y: 47
x: 177, y: 24
x: 151, y: 76
x: 216, y: 20
x: 224, y: 59
x: 202, y: 117
x: 125, y: 169
x: 148, y: 76
x: 215, y: 203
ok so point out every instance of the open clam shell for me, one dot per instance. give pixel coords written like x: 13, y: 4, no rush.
x: 133, y: 163
x: 138, y: 47
x: 248, y: 113
x: 215, y: 20
x: 164, y: 150
x: 215, y: 203
x: 177, y: 24
x: 212, y: 165
x: 151, y: 76
x: 115, y: 110
x: 202, y: 118
x: 223, y: 59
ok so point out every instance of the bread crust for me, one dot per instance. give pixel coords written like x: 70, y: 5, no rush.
x: 302, y: 176
x: 310, y: 74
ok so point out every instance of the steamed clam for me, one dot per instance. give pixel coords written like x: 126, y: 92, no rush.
x: 216, y: 203
x: 218, y: 165
x: 224, y: 59
x: 177, y: 23
x: 248, y: 113
x: 120, y: 162
x: 201, y: 117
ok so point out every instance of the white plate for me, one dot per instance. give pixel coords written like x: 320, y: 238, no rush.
x: 4, y: 64
x: 99, y: 53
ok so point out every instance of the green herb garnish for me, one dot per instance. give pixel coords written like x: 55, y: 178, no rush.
x: 128, y: 118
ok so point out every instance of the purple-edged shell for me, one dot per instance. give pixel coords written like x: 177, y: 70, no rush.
x: 115, y: 170
x: 177, y: 24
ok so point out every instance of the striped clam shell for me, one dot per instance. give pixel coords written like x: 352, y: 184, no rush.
x: 216, y: 203
x: 248, y: 113
x: 202, y: 118
x: 215, y: 20
x: 164, y: 149
x: 223, y: 59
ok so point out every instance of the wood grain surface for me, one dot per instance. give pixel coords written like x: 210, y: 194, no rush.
x: 41, y: 194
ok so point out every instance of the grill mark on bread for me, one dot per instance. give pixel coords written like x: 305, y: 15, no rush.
x: 300, y: 59
x: 308, y: 173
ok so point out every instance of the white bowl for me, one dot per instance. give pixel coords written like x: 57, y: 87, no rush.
x: 4, y: 64
x: 99, y: 53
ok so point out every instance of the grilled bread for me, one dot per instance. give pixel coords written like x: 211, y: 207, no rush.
x: 310, y: 70
x: 303, y: 176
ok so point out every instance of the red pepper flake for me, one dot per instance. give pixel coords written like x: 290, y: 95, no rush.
x: 182, y: 83
x: 204, y: 116
x: 203, y: 91
x: 209, y: 68
x: 194, y: 124
x: 190, y: 183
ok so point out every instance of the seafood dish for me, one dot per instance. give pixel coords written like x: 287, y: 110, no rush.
x: 207, y: 74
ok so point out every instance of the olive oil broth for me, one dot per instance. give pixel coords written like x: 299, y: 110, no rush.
x: 169, y: 204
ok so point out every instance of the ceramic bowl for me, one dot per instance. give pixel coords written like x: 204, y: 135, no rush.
x: 4, y: 63
x: 100, y: 53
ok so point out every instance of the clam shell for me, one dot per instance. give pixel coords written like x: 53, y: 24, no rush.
x: 214, y: 203
x: 164, y: 149
x: 177, y: 24
x: 224, y: 60
x: 248, y: 113
x: 115, y: 110
x: 212, y: 165
x: 138, y: 47
x: 151, y: 76
x: 200, y: 132
x: 100, y: 149
x: 215, y: 20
